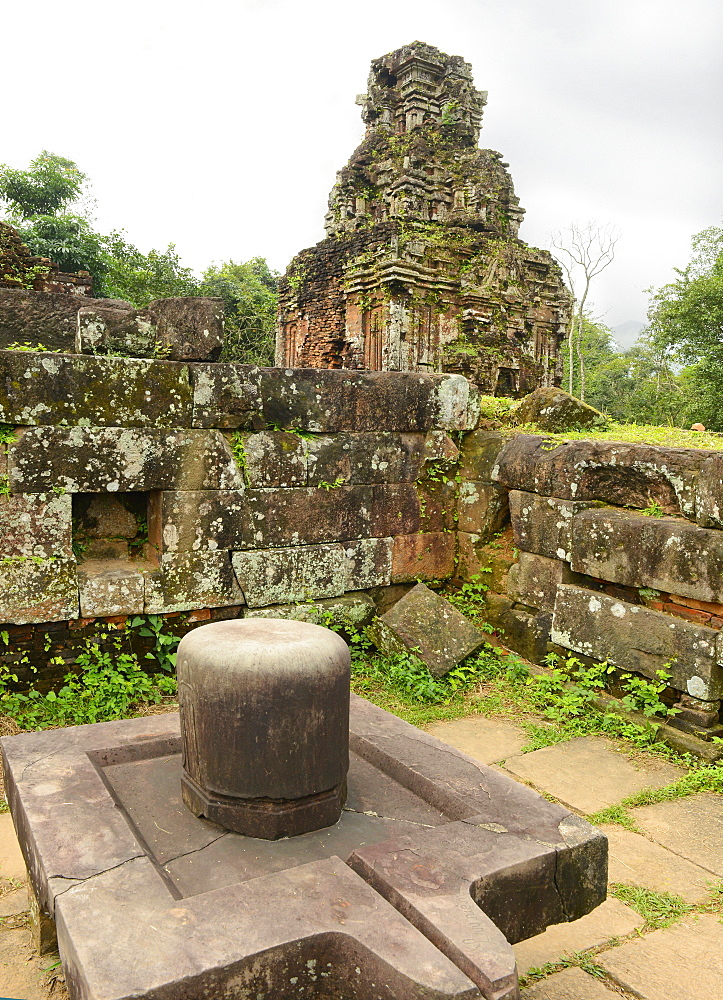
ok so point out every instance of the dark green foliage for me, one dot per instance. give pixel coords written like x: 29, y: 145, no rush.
x: 50, y: 185
x: 140, y: 278
x: 68, y: 241
x: 250, y: 294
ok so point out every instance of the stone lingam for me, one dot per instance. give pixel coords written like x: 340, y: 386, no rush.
x: 407, y: 878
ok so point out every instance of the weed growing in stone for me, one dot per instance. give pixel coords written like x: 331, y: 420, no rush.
x: 702, y: 778
x: 660, y: 909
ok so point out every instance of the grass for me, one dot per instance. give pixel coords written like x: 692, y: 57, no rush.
x: 668, y: 437
x: 660, y: 909
x: 703, y: 778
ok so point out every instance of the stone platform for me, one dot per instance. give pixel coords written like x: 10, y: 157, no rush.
x: 438, y: 864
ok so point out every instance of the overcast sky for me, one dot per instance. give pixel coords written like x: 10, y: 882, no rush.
x: 219, y: 126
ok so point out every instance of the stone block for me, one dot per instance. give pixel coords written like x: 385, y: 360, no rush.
x: 426, y: 556
x: 100, y: 459
x: 188, y: 328
x: 323, y: 400
x: 285, y: 575
x: 195, y: 520
x: 437, y: 504
x: 544, y: 524
x: 636, y: 638
x: 525, y: 631
x: 570, y: 984
x: 367, y: 563
x: 370, y: 457
x: 488, y: 740
x: 665, y: 554
x: 274, y: 458
x: 554, y: 410
x: 709, y: 493
x: 635, y: 860
x: 534, y: 580
x: 114, y: 329
x: 479, y: 558
x: 482, y: 508
x: 48, y: 389
x: 395, y: 510
x: 37, y: 590
x: 187, y: 580
x: 306, y: 516
x: 479, y: 452
x: 691, y: 828
x: 428, y: 625
x: 628, y: 475
x: 47, y: 318
x: 350, y: 611
x: 36, y: 525
x: 226, y: 396
x: 110, y: 590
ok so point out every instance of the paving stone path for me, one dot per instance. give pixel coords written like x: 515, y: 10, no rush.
x: 680, y: 850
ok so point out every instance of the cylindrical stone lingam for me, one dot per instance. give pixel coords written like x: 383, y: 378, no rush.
x: 265, y: 725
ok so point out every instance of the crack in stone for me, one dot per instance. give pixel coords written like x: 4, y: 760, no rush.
x: 196, y: 850
x: 89, y: 878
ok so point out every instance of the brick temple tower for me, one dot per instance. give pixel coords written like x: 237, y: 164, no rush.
x: 422, y: 268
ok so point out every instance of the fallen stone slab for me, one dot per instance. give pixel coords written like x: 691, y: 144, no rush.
x: 684, y: 961
x: 666, y: 554
x: 428, y: 625
x: 636, y: 860
x: 487, y: 740
x: 609, y: 776
x: 691, y: 827
x: 633, y: 637
x: 628, y: 475
x: 610, y: 920
x: 570, y: 984
x: 555, y: 410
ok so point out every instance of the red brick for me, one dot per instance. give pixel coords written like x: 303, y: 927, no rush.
x: 428, y: 556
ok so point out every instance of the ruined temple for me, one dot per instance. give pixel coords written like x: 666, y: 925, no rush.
x: 422, y: 268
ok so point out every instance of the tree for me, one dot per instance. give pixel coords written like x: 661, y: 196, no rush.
x: 140, y: 278
x: 686, y: 322
x: 583, y: 252
x: 250, y: 294
x: 51, y: 184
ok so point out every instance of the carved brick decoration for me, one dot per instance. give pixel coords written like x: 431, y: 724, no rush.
x: 422, y: 269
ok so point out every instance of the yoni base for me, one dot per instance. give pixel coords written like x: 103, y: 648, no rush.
x: 266, y: 819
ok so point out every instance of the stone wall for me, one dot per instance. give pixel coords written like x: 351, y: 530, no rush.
x: 613, y: 551
x: 133, y: 486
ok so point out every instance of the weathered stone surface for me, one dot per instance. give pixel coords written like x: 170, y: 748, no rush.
x: 306, y: 516
x: 609, y: 777
x: 426, y: 556
x: 488, y: 740
x: 274, y: 458
x: 99, y: 459
x: 478, y: 559
x: 520, y: 629
x: 636, y: 638
x: 684, y: 961
x: 47, y: 389
x: 330, y: 400
x: 226, y: 396
x: 629, y: 475
x: 107, y: 517
x: 37, y: 590
x: 544, y: 524
x: 187, y: 580
x: 396, y: 510
x: 662, y: 553
x: 635, y: 860
x: 350, y: 611
x: 534, y: 580
x: 709, y: 493
x: 691, y: 827
x: 367, y: 563
x: 37, y: 525
x: 483, y: 508
x: 610, y: 920
x: 110, y: 590
x: 478, y: 453
x: 370, y: 457
x: 188, y: 329
x: 114, y: 328
x: 301, y: 573
x: 554, y: 410
x: 570, y: 984
x: 429, y: 625
x: 196, y: 520
x: 47, y: 318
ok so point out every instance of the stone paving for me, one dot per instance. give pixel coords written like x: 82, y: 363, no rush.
x: 680, y: 851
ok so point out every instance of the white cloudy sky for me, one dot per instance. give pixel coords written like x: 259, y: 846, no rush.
x: 219, y: 126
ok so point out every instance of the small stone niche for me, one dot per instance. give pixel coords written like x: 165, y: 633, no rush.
x: 110, y: 526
